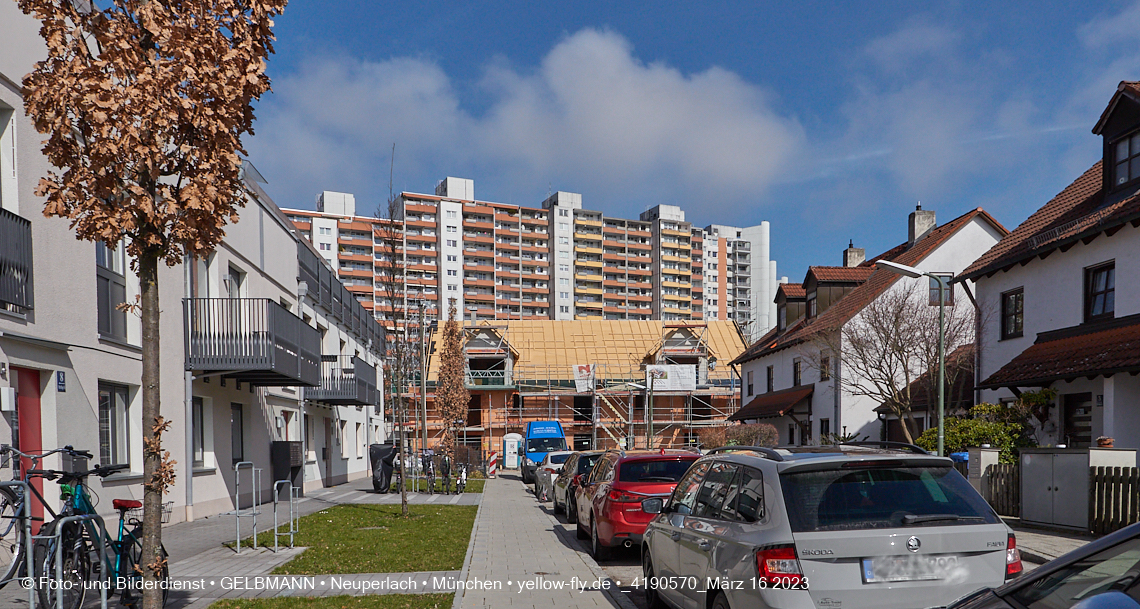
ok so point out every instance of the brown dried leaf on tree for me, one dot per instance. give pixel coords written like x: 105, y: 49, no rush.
x: 451, y: 389
x: 144, y: 103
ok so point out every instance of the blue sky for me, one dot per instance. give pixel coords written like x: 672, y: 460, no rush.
x: 830, y: 120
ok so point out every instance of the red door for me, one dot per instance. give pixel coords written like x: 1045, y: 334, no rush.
x: 30, y: 434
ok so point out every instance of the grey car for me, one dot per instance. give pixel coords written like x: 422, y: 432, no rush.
x: 884, y: 526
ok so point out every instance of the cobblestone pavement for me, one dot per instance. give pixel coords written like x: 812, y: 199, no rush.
x: 518, y: 544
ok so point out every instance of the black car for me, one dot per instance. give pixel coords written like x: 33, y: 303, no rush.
x: 1100, y: 575
x: 573, y: 469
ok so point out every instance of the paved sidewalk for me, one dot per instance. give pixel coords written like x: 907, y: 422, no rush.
x: 1043, y: 545
x: 515, y: 545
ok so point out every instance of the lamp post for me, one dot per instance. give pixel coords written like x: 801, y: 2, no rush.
x: 910, y: 271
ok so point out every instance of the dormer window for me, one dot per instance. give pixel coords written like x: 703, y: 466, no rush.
x: 783, y: 317
x: 1127, y: 160
x: 811, y: 311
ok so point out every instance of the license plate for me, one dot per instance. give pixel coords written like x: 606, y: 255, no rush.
x: 907, y: 568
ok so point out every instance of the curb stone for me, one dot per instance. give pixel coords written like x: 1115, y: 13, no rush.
x: 457, y: 602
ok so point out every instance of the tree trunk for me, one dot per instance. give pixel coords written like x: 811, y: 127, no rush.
x: 152, y: 563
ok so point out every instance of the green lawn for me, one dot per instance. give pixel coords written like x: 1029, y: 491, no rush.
x: 381, y: 601
x: 361, y: 538
x: 473, y: 486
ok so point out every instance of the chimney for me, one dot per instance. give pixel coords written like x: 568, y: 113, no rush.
x: 921, y: 222
x: 853, y: 256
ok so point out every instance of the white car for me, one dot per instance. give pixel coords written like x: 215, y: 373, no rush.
x: 547, y: 471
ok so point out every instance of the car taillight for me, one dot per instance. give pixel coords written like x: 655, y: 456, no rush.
x: 624, y: 497
x: 778, y: 565
x: 1012, y: 558
x: 550, y: 469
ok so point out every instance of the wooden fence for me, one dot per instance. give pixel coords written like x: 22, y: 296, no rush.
x: 1114, y: 498
x: 1004, y: 492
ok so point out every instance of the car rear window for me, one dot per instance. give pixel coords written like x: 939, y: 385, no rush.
x: 586, y: 463
x: 559, y: 458
x: 655, y: 470
x: 881, y: 497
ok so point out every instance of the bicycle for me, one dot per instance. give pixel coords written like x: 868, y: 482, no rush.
x: 121, y: 573
x: 14, y: 511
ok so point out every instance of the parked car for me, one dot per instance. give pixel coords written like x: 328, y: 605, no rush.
x: 547, y: 470
x: 541, y: 437
x: 608, y: 502
x: 1101, y: 574
x: 832, y: 526
x: 568, y: 481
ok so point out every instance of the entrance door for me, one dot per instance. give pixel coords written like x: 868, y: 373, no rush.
x: 29, y: 436
x: 1077, y: 429
x: 328, y: 451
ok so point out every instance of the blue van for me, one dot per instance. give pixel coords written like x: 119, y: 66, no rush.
x: 541, y: 437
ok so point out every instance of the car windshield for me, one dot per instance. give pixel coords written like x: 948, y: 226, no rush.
x: 558, y: 458
x: 1112, y: 571
x: 545, y: 445
x: 881, y: 497
x: 586, y: 463
x: 657, y: 470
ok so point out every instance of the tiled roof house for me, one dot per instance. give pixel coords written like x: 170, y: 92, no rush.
x: 1064, y: 295
x: 782, y: 372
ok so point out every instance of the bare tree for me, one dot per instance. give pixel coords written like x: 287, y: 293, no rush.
x: 889, y: 350
x: 144, y: 105
x: 391, y: 266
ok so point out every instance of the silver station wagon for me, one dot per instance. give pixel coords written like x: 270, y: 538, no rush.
x: 881, y: 525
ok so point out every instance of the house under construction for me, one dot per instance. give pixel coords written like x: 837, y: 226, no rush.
x: 590, y: 375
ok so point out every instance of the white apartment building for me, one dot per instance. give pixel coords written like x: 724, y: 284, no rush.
x: 740, y: 277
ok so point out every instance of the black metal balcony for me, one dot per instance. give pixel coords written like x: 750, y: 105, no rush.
x: 15, y: 261
x: 251, y: 339
x: 345, y: 379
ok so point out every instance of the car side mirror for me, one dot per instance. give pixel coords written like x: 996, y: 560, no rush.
x: 652, y: 506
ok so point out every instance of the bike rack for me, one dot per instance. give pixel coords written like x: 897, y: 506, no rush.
x: 57, y: 536
x: 293, y: 528
x: 25, y: 494
x: 254, y: 509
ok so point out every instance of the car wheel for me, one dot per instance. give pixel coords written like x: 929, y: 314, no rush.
x: 571, y: 509
x: 597, y: 550
x: 720, y: 602
x: 652, y: 599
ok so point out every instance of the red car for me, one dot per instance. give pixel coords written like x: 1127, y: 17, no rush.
x: 609, y: 499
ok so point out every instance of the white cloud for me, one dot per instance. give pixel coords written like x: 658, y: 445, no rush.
x: 591, y: 118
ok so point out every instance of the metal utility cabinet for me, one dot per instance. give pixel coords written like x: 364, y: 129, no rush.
x: 1055, y: 482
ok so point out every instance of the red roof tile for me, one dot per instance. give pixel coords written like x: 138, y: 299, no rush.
x: 853, y: 274
x: 774, y: 404
x: 1073, y: 352
x: 792, y: 290
x: 877, y: 282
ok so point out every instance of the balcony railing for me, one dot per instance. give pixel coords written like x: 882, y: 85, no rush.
x: 345, y: 379
x: 251, y: 339
x: 15, y: 261
x: 485, y: 378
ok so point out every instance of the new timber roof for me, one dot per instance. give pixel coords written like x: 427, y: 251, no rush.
x: 549, y: 350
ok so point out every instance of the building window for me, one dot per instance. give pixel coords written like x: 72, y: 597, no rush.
x: 771, y: 378
x: 564, y: 268
x: 1127, y: 160
x: 564, y: 255
x: 111, y: 290
x: 237, y: 433
x: 564, y: 241
x: 114, y: 424
x: 451, y: 243
x: 797, y: 368
x: 452, y: 273
x: 934, y: 290
x: 325, y: 230
x: 359, y: 441
x: 824, y: 368
x: 451, y: 229
x: 824, y: 429
x: 564, y: 281
x: 565, y: 213
x: 564, y: 294
x: 451, y: 287
x: 197, y: 429
x: 811, y: 305
x: 1100, y: 291
x: 451, y: 258
x: 564, y: 309
x: 563, y: 226
x: 783, y: 317
x: 325, y: 247
x: 450, y: 213
x: 1012, y: 313
x: 749, y: 382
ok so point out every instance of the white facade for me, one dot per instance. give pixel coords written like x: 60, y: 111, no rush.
x: 745, y: 287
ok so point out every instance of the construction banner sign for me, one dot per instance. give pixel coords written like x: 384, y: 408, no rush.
x: 583, y: 378
x: 671, y: 377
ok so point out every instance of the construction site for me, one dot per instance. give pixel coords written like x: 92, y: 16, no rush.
x: 591, y: 376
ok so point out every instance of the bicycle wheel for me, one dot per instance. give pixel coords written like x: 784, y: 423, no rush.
x: 76, y: 567
x: 11, y: 537
x: 131, y: 570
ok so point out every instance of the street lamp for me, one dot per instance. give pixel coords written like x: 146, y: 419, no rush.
x: 910, y: 271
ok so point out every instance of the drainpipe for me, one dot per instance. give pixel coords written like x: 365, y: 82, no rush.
x: 302, y: 290
x: 189, y: 399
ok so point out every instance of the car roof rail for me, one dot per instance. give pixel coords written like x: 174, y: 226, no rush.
x: 918, y: 450
x: 764, y: 450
